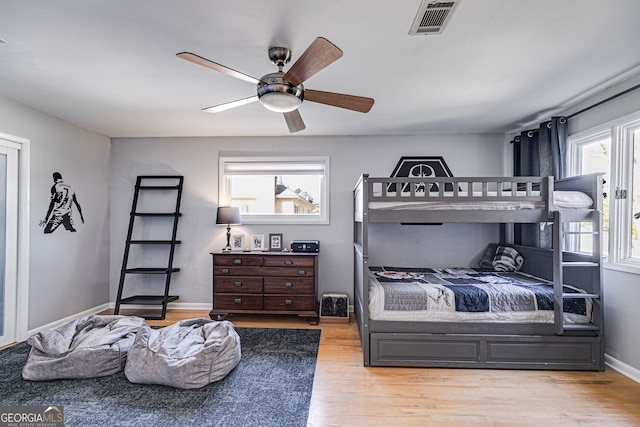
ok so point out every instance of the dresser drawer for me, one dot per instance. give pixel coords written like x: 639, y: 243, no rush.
x: 238, y: 284
x: 237, y: 302
x: 288, y: 261
x: 288, y: 285
x: 238, y: 260
x: 289, y: 302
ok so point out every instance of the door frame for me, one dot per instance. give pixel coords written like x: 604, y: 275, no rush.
x: 21, y: 255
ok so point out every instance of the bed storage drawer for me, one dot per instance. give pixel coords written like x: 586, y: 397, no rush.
x: 484, y: 351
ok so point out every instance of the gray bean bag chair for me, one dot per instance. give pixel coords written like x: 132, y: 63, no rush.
x: 92, y: 346
x: 188, y: 354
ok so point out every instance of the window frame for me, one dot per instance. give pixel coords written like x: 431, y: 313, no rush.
x: 620, y: 131
x: 262, y: 163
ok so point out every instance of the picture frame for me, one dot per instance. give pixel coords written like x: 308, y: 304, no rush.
x: 237, y: 242
x: 257, y: 242
x: 275, y: 241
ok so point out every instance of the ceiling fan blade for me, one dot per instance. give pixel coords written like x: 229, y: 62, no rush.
x: 294, y: 121
x: 317, y: 56
x: 229, y: 105
x: 192, y: 57
x: 350, y: 102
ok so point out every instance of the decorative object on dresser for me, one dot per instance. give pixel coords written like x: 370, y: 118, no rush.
x: 265, y: 283
x: 257, y: 242
x: 275, y: 242
x: 228, y: 215
x: 334, y: 307
x: 237, y: 242
x: 305, y: 246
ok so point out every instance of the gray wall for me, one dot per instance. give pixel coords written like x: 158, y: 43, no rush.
x: 68, y: 271
x: 197, y: 160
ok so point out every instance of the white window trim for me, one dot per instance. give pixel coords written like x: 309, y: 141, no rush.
x: 619, y: 130
x: 322, y: 219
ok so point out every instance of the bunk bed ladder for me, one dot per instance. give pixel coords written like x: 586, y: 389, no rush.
x: 559, y: 266
x: 146, y: 184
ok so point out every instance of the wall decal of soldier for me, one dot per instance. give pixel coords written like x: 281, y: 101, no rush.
x: 63, y: 197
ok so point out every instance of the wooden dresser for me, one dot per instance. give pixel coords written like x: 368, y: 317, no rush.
x: 265, y: 283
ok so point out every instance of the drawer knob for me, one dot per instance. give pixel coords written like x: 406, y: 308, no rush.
x: 288, y: 284
x: 288, y: 302
x: 238, y: 284
x: 225, y: 270
x: 237, y: 261
x: 238, y: 300
x: 288, y: 262
x: 302, y: 272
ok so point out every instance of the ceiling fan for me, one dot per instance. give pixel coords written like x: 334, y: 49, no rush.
x: 283, y: 92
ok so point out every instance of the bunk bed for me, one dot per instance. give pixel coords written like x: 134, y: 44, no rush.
x: 550, y: 340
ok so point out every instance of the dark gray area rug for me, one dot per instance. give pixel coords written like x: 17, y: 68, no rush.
x: 271, y: 386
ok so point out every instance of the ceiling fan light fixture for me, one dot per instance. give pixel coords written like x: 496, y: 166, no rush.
x: 280, y: 102
x: 278, y: 95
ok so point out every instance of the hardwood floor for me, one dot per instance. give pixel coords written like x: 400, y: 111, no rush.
x: 347, y: 394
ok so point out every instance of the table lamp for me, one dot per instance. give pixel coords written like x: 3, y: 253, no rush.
x: 228, y: 215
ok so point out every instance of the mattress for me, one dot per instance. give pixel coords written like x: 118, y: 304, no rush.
x: 467, y: 295
x: 561, y: 200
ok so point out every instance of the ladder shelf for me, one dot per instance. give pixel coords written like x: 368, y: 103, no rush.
x: 144, y: 184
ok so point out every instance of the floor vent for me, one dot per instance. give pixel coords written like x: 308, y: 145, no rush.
x: 432, y: 17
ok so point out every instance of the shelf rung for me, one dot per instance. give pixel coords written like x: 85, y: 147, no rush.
x: 148, y: 299
x: 154, y: 242
x: 172, y: 214
x: 592, y: 233
x: 580, y: 264
x: 158, y: 187
x: 580, y: 295
x: 580, y: 327
x: 151, y: 270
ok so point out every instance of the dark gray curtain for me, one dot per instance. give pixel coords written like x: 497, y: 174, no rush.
x: 539, y: 152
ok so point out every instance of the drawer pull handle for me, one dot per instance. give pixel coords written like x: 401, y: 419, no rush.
x: 225, y: 270
x: 238, y: 284
x: 237, y: 261
x: 302, y: 272
x: 238, y: 300
x: 288, y: 302
x: 288, y: 284
x: 288, y: 262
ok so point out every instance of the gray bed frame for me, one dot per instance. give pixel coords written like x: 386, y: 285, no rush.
x: 558, y: 345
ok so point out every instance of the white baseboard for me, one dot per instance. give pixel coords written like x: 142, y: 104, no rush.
x: 57, y: 323
x: 623, y: 368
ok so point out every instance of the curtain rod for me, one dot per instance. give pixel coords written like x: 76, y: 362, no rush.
x: 597, y: 104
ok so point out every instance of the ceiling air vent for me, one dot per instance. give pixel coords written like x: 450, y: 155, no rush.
x: 432, y: 17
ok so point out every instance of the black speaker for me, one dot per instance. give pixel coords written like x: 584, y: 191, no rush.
x: 334, y: 307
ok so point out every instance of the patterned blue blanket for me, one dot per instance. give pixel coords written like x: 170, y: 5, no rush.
x: 469, y: 290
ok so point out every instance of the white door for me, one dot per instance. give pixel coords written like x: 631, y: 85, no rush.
x: 8, y: 240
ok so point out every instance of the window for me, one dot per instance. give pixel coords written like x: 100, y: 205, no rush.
x: 614, y: 149
x: 270, y: 190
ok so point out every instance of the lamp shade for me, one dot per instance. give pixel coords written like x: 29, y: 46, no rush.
x: 228, y: 215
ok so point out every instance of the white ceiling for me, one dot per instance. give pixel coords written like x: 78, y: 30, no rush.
x: 110, y: 66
